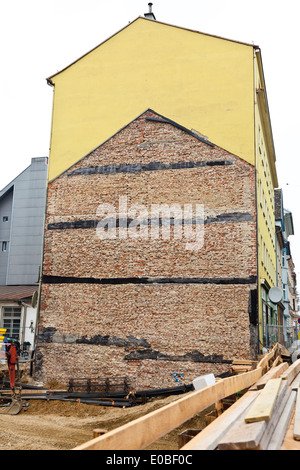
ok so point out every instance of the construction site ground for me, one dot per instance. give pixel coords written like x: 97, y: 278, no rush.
x: 58, y: 425
x: 50, y: 421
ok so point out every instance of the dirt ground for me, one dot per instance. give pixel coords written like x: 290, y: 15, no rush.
x: 60, y: 425
x: 57, y: 425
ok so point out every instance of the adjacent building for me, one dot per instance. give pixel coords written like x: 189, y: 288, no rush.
x: 22, y: 211
x: 286, y: 277
x: 280, y: 328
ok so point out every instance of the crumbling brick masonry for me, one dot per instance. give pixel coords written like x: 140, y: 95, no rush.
x: 140, y: 305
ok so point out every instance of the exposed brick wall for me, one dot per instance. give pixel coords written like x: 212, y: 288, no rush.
x: 119, y: 321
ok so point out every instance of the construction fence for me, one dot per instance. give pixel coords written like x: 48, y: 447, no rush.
x: 288, y: 336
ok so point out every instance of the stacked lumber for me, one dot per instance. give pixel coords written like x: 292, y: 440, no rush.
x: 258, y: 420
x: 267, y: 361
x: 270, y: 359
x: 139, y: 433
x: 261, y: 418
x: 273, y: 373
x: 292, y: 437
x: 239, y: 366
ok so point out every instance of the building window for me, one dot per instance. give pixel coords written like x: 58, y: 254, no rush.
x: 5, y: 218
x: 11, y: 320
x: 264, y: 202
x: 4, y: 246
x: 284, y: 292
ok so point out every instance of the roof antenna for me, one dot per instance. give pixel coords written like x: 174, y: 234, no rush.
x: 150, y: 14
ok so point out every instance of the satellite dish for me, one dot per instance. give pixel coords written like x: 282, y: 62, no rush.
x: 275, y: 295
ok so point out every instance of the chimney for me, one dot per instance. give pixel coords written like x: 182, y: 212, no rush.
x: 150, y: 14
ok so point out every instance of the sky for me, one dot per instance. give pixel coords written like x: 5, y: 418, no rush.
x: 39, y: 38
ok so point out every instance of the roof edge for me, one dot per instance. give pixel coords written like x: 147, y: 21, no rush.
x: 49, y: 79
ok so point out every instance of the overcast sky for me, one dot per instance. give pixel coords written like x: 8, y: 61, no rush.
x: 38, y: 38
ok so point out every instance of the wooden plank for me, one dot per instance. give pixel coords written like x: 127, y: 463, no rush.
x: 245, y: 436
x: 277, y: 360
x: 297, y: 418
x: 289, y: 442
x: 262, y: 408
x: 210, y: 436
x: 278, y: 410
x: 291, y: 373
x: 244, y: 361
x: 241, y: 436
x: 296, y: 382
x: 282, y: 424
x: 240, y: 382
x: 264, y: 362
x: 241, y: 368
x: 273, y: 373
x: 141, y: 432
x: 239, y: 365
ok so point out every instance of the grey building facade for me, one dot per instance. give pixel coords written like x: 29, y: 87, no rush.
x: 286, y: 276
x: 22, y: 209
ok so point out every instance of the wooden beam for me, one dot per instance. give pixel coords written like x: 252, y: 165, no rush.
x: 281, y: 403
x: 291, y: 373
x: 245, y: 436
x: 289, y: 443
x: 296, y: 383
x: 283, y: 423
x: 241, y: 368
x: 210, y: 436
x: 264, y: 362
x: 263, y: 406
x: 273, y: 373
x: 242, y: 436
x: 141, y: 432
x: 240, y: 382
x: 297, y: 418
x: 257, y: 435
x: 277, y: 360
x: 244, y: 361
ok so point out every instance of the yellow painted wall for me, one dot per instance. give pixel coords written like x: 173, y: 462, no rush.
x: 200, y: 81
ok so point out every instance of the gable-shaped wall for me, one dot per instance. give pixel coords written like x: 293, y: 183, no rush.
x: 149, y: 308
x: 201, y: 81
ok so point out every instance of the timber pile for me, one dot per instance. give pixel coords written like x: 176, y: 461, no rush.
x: 260, y: 419
x: 240, y: 366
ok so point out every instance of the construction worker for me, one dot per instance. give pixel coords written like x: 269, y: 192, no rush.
x: 12, y: 358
